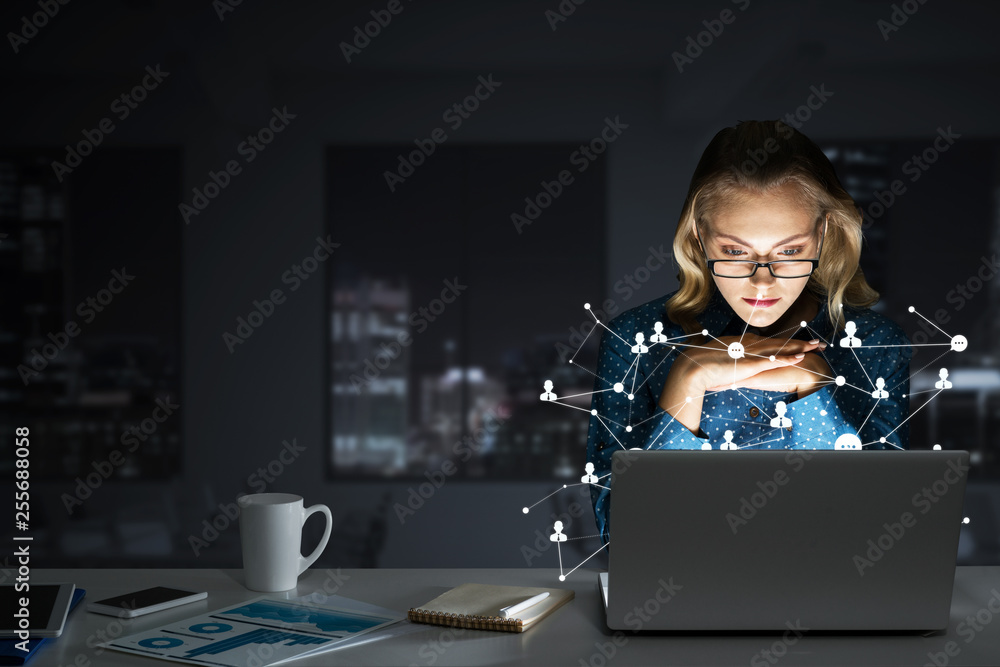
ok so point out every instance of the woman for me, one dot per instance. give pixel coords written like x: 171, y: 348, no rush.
x: 768, y: 240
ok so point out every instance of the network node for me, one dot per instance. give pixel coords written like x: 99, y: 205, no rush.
x: 736, y: 350
x: 564, y: 486
x: 803, y: 324
x: 771, y: 358
x: 882, y: 439
x: 965, y: 520
x: 937, y: 448
x: 687, y: 399
x: 628, y: 429
x: 562, y: 577
x: 631, y: 397
x: 525, y: 510
x: 848, y: 441
x: 822, y: 413
x: 910, y: 309
x: 593, y: 412
x: 959, y: 343
x: 734, y: 386
x: 841, y: 380
x: 759, y: 296
x: 587, y: 306
x: 619, y: 387
x: 704, y: 332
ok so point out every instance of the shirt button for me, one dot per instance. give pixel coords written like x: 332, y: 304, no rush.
x: 754, y: 411
x: 789, y: 429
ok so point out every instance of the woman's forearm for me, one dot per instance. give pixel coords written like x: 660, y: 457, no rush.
x: 680, y: 387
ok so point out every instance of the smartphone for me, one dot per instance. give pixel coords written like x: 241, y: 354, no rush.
x: 145, y: 601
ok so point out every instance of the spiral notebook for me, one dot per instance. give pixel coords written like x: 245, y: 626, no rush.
x: 477, y: 607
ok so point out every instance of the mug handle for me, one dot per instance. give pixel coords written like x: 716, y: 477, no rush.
x: 306, y: 561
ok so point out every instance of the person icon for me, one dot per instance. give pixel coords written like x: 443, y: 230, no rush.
x: 639, y: 348
x: 548, y: 395
x: 943, y: 383
x: 880, y: 391
x: 728, y: 444
x: 780, y: 421
x: 850, y: 340
x: 658, y: 336
x: 558, y: 535
x: 589, y: 477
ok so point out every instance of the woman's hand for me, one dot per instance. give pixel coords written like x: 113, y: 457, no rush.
x: 805, y: 377
x: 709, y: 365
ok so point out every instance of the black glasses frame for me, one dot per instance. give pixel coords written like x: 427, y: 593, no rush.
x: 814, y: 262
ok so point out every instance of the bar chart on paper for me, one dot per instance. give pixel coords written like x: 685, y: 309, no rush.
x: 261, y: 631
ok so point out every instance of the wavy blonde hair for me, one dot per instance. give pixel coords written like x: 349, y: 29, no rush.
x: 750, y: 159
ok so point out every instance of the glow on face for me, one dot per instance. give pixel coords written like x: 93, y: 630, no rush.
x: 763, y: 228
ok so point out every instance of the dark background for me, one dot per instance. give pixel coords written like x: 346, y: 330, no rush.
x: 490, y: 351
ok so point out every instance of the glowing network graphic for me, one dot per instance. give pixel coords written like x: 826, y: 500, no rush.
x: 736, y: 350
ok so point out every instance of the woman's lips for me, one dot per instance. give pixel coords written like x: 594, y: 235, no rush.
x: 764, y: 303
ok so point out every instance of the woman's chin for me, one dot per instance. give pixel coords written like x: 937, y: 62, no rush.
x: 764, y: 320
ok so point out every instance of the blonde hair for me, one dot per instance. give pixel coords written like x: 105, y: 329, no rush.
x: 750, y: 159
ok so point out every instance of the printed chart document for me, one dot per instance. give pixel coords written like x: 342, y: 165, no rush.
x: 260, y: 632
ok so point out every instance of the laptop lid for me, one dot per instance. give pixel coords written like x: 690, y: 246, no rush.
x: 758, y: 540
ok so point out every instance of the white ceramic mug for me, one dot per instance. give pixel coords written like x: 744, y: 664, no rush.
x: 271, y: 537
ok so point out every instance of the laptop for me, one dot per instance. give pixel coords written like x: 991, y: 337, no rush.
x: 768, y: 540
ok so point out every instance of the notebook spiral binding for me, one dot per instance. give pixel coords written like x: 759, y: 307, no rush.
x: 469, y: 622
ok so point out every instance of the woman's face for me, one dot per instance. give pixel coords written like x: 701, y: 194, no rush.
x: 763, y: 228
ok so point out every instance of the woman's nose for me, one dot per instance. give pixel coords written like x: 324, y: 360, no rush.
x: 762, y: 277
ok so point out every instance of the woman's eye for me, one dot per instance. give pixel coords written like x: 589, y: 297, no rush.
x: 736, y: 252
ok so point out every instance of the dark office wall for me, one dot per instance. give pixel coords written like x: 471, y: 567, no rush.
x: 607, y: 59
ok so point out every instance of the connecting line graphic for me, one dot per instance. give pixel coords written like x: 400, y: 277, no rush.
x: 622, y: 391
x: 594, y: 413
x: 925, y: 391
x: 928, y: 364
x: 913, y: 310
x: 758, y: 444
x: 869, y: 414
x: 743, y: 335
x: 562, y: 577
x: 598, y: 321
x: 657, y: 366
x: 591, y: 372
x: 570, y: 406
x: 740, y: 421
x: 527, y: 509
x: 592, y: 330
x: 882, y: 439
x: 862, y: 368
x: 750, y: 402
x: 659, y: 413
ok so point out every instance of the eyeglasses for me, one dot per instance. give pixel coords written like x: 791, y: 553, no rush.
x: 782, y: 268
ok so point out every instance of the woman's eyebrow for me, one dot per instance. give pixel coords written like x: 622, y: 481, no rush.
x: 782, y: 242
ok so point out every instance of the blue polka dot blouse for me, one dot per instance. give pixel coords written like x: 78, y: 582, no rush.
x: 858, y: 407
